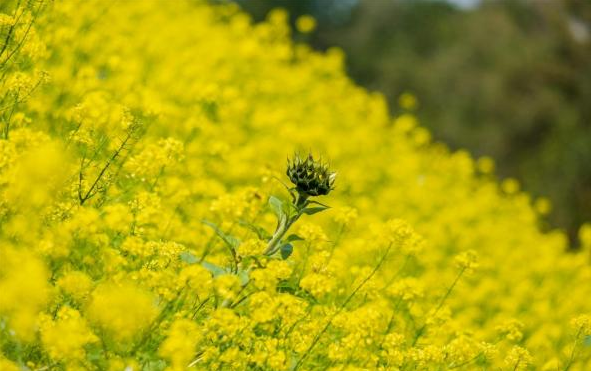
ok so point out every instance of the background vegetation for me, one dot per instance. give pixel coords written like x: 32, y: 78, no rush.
x: 509, y: 79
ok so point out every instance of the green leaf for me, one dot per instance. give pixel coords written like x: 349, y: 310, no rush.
x: 244, y: 278
x: 153, y: 365
x: 293, y: 237
x: 318, y: 203
x: 314, y: 210
x: 230, y: 240
x: 94, y: 353
x: 286, y: 250
x: 259, y: 231
x: 293, y: 193
x: 189, y: 258
x: 289, y: 209
x: 214, y: 269
x: 277, y: 206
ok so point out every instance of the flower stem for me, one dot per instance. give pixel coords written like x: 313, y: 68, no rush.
x: 283, y: 225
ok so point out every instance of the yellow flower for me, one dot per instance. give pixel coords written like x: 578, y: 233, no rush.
x: 306, y: 24
x: 511, y: 329
x: 123, y: 310
x: 7, y: 365
x: 468, y: 261
x: 268, y: 277
x: 25, y: 291
x: 118, y: 217
x: 408, y: 101
x: 179, y: 346
x: 543, y: 205
x: 518, y: 358
x: 486, y: 165
x: 65, y: 338
x: 75, y: 283
x: 582, y: 324
x: 407, y: 289
x: 318, y: 285
x: 251, y: 247
x: 345, y: 215
x: 510, y: 186
x: 197, y: 278
x: 226, y: 286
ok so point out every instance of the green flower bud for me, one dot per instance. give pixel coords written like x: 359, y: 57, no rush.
x: 311, y: 178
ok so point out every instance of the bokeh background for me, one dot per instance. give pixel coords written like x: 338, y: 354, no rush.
x: 508, y: 79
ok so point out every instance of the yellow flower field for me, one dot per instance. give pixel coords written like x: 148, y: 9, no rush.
x: 146, y: 224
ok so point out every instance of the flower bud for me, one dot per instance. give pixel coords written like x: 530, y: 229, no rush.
x: 311, y: 178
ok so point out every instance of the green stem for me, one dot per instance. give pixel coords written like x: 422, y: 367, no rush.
x: 301, y: 201
x: 283, y: 226
x: 277, y: 236
x: 573, y: 351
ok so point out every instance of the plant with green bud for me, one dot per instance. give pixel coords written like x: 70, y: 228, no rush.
x: 310, y: 178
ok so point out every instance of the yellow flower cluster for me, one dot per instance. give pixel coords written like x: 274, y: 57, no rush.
x: 121, y: 311
x: 65, y: 338
x: 140, y: 143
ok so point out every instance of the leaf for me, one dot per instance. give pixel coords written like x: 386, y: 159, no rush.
x: 259, y: 231
x: 294, y: 194
x: 286, y: 250
x: 214, y: 269
x: 189, y: 258
x: 153, y: 365
x: 293, y: 237
x: 277, y: 206
x: 314, y: 210
x: 94, y: 353
x: 289, y: 209
x: 230, y: 240
x: 243, y: 276
x: 318, y: 203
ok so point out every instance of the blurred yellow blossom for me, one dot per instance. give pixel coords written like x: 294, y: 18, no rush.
x: 407, y: 101
x: 66, y: 337
x: 121, y: 310
x: 305, y: 24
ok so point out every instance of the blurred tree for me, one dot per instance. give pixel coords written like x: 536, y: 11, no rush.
x: 506, y: 78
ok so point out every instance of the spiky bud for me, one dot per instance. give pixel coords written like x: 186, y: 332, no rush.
x: 311, y: 178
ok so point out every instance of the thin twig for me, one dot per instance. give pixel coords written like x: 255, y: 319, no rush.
x: 90, y: 191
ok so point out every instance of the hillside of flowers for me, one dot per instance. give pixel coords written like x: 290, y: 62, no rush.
x: 182, y: 189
